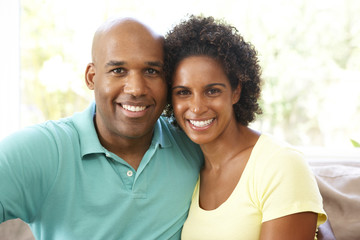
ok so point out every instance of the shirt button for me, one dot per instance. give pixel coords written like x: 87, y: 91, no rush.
x: 129, y: 173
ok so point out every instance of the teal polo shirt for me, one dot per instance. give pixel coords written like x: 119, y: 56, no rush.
x: 57, y: 177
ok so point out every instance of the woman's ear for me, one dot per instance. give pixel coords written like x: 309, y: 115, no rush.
x: 236, y: 94
x: 89, y: 75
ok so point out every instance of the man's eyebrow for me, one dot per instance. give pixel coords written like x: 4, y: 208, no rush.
x: 115, y: 63
x: 122, y: 63
x: 155, y: 64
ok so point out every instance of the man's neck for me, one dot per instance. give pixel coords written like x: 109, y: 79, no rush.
x: 130, y: 150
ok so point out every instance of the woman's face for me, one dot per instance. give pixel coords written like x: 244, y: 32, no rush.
x: 202, y: 98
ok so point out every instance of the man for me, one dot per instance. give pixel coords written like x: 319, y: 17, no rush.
x: 114, y: 171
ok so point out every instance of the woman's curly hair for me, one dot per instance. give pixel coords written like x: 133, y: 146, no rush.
x: 205, y: 36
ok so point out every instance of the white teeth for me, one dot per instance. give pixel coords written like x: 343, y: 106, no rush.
x: 201, y: 123
x: 134, y: 108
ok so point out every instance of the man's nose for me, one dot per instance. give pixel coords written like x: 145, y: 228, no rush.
x: 135, y: 85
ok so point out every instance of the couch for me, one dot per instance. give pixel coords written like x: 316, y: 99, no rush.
x: 338, y: 178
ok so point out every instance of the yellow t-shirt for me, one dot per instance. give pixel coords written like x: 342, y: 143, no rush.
x: 276, y: 182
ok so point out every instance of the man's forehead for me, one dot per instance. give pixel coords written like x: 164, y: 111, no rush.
x: 125, y: 32
x: 118, y: 21
x: 127, y: 26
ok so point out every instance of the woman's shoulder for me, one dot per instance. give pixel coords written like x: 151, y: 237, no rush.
x: 270, y: 151
x: 269, y: 145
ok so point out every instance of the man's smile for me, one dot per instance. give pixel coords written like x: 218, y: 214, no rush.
x: 133, y: 108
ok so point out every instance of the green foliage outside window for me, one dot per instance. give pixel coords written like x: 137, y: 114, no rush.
x: 309, y: 51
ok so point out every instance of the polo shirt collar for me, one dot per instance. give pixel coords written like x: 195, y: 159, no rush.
x: 161, y: 137
x: 89, y: 141
x: 84, y: 123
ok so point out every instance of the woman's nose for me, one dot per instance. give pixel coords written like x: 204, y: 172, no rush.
x: 198, y: 105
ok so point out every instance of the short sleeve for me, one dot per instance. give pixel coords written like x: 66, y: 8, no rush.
x: 288, y: 186
x: 26, y: 172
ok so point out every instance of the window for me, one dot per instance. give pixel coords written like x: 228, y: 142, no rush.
x: 309, y: 52
x: 9, y: 67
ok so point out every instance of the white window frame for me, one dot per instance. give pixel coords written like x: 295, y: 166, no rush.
x: 9, y: 67
x: 321, y: 155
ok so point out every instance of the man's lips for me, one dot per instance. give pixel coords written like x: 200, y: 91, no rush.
x: 133, y: 108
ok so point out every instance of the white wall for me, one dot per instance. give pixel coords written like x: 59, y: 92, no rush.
x: 9, y: 66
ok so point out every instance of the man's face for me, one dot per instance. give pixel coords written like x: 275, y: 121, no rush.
x: 128, y: 82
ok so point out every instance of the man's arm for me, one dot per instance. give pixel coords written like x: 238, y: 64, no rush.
x: 27, y: 171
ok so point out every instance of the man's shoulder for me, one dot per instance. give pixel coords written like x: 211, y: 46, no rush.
x: 57, y: 127
x: 50, y: 131
x: 71, y: 126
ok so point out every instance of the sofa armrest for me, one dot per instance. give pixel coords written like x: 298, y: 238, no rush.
x: 325, y: 232
x: 339, y: 183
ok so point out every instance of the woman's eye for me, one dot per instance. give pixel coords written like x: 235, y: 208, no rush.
x: 213, y: 91
x: 182, y: 92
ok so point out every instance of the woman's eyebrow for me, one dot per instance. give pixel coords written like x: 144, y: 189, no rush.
x: 215, y: 84
x: 180, y: 86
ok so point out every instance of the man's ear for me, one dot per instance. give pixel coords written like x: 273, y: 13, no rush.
x: 236, y: 94
x: 89, y: 75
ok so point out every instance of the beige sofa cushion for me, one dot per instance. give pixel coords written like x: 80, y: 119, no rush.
x: 339, y: 184
x: 15, y: 230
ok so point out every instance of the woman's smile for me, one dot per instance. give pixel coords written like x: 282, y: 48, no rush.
x: 203, y: 98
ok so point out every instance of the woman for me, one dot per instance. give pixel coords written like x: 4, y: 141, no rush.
x: 251, y: 186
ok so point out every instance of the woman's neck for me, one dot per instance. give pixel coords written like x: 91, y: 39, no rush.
x: 234, y: 141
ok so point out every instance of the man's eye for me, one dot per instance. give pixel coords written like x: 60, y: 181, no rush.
x: 152, y: 71
x: 118, y: 70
